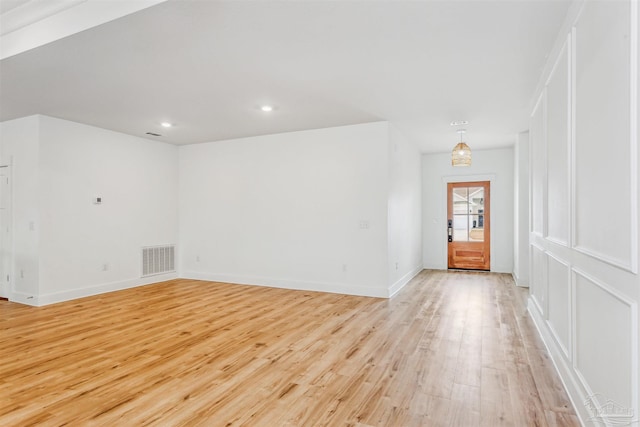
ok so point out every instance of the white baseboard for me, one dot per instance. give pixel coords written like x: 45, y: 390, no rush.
x: 519, y: 281
x: 437, y: 266
x: 102, y: 288
x: 400, y: 283
x: 24, y: 298
x: 338, y: 288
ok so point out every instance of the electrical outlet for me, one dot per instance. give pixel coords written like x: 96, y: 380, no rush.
x: 344, y: 268
x: 105, y: 267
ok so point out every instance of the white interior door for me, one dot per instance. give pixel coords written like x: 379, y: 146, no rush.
x: 5, y: 231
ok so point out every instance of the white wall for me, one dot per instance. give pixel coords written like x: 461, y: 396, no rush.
x: 19, y: 148
x: 405, y: 210
x: 138, y: 182
x: 68, y: 238
x: 487, y: 165
x: 521, y: 210
x: 332, y: 210
x: 584, y: 181
x: 303, y: 210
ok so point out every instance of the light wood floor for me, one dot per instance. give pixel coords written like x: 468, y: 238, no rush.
x: 451, y: 349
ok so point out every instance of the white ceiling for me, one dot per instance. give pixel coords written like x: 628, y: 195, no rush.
x: 7, y: 5
x: 207, y: 66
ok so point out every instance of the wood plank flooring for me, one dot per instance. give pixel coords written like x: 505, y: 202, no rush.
x: 451, y: 349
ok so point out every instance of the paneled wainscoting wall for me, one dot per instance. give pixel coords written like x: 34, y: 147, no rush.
x: 584, y: 206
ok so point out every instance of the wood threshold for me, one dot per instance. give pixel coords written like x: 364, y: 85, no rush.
x: 451, y: 348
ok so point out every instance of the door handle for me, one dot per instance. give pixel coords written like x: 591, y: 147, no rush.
x: 449, y: 230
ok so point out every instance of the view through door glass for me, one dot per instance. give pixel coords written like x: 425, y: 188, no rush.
x: 468, y: 214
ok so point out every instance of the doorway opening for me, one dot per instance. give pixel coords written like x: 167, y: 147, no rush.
x: 468, y: 225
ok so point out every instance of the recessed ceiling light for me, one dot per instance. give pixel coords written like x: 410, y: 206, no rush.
x: 166, y: 124
x: 459, y: 123
x: 266, y: 108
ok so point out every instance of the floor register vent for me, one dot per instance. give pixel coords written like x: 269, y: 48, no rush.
x: 158, y: 260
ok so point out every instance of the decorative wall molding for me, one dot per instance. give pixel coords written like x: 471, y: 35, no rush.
x: 564, y: 53
x: 633, y: 132
x: 538, y: 214
x: 572, y: 140
x: 558, y: 242
x: 627, y: 266
x: 566, y: 349
x: 633, y: 326
x: 630, y: 261
x: 594, y: 269
x: 570, y: 381
x: 538, y: 290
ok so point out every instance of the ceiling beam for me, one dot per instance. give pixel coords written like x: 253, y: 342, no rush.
x: 36, y: 23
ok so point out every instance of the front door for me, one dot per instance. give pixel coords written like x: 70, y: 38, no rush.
x: 468, y: 225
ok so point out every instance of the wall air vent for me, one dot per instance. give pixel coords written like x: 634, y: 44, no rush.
x: 153, y: 134
x: 158, y: 260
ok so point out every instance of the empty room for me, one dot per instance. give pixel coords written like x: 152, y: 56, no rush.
x: 319, y: 213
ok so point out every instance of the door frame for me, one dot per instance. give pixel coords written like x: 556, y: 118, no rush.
x: 443, y: 226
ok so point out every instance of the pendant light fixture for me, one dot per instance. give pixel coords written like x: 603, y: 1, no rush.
x: 461, y: 154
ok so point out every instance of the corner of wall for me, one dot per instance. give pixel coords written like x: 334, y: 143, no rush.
x: 20, y: 149
x: 404, y: 210
x: 519, y: 281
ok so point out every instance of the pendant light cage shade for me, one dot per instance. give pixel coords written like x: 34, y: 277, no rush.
x: 461, y: 155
